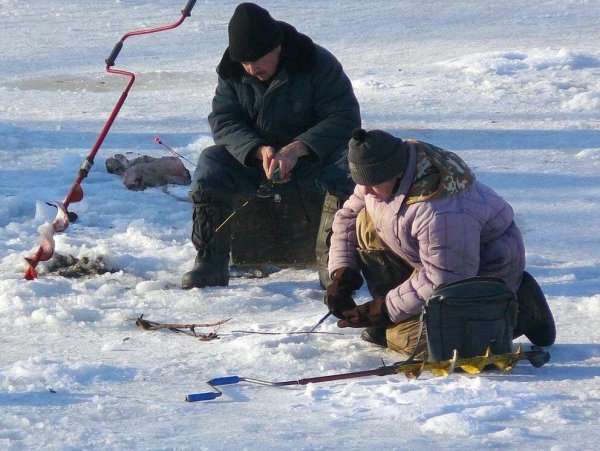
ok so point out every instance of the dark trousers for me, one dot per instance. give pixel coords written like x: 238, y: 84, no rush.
x: 219, y: 171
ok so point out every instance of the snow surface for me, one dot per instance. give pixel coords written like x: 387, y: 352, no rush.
x: 513, y: 87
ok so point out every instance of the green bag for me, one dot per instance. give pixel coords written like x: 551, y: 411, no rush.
x: 468, y: 316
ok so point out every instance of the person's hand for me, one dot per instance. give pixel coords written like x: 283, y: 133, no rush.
x: 338, y: 295
x: 370, y: 314
x: 286, y: 160
x: 265, y: 154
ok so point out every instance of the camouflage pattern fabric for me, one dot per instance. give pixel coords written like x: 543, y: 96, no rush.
x: 439, y: 173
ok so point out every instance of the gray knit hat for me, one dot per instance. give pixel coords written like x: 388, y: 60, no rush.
x: 375, y: 156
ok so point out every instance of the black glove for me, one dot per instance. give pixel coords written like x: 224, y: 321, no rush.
x: 370, y: 314
x: 338, y: 296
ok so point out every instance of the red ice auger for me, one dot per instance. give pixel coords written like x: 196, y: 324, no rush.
x: 75, y: 194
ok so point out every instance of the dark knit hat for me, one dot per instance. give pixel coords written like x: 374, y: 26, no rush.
x: 375, y: 157
x: 252, y: 33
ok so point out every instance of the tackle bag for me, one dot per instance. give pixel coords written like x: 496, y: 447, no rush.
x: 469, y: 315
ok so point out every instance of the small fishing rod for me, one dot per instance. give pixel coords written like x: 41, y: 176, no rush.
x: 264, y: 190
x: 157, y: 140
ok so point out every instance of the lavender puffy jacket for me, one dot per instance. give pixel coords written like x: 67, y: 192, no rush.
x: 446, y: 239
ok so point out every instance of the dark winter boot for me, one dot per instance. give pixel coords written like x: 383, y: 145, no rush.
x: 211, y: 267
x: 331, y: 205
x: 534, y: 319
x: 375, y: 335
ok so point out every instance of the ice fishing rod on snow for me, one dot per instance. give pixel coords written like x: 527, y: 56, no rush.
x: 75, y: 194
x: 411, y: 369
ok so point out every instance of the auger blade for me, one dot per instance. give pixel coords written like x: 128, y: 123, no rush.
x: 475, y: 365
x: 442, y: 368
x: 414, y: 373
x: 30, y: 272
x: 76, y: 194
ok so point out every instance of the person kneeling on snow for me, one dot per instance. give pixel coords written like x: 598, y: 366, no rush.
x: 418, y: 219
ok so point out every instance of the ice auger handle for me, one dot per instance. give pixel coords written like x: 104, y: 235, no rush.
x: 187, y: 11
x: 203, y: 396
x: 110, y: 61
x: 207, y: 396
x: 226, y: 380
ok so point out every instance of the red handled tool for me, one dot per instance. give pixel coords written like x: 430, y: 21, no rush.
x: 75, y: 194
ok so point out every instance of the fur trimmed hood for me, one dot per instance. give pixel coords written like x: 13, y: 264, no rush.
x: 297, y: 51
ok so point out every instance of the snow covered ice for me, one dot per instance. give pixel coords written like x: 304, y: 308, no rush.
x: 513, y: 88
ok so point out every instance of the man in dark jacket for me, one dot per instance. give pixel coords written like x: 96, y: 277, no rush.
x: 284, y: 109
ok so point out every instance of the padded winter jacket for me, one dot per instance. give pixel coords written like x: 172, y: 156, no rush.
x: 448, y: 238
x: 309, y: 99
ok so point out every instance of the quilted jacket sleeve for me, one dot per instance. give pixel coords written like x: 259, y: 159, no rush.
x: 448, y: 248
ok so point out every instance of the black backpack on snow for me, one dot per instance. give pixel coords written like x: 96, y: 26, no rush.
x: 470, y: 315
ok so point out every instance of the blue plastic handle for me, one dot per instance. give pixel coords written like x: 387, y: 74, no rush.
x: 202, y: 396
x: 226, y: 380
x: 207, y: 396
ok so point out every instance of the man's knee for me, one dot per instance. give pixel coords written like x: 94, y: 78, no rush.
x: 218, y: 169
x: 208, y: 166
x: 408, y: 337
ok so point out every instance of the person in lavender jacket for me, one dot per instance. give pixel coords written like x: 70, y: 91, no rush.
x: 418, y: 219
